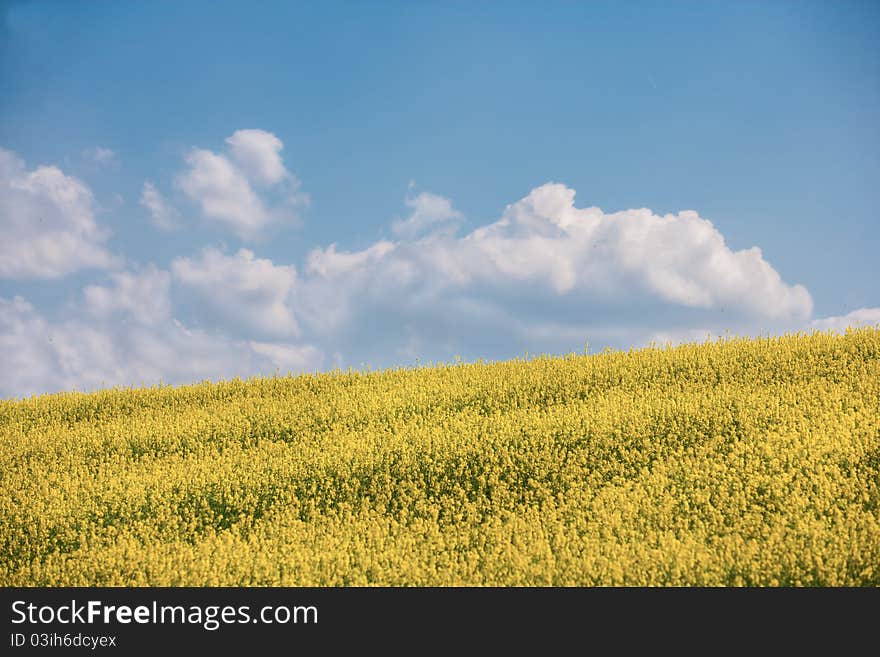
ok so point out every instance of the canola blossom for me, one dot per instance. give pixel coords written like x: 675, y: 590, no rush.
x: 729, y: 463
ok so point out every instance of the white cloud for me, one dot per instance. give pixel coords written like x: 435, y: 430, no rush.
x: 288, y: 357
x: 246, y: 291
x: 143, y: 295
x: 162, y: 215
x: 258, y: 154
x: 47, y: 222
x: 223, y: 187
x: 100, y: 155
x: 84, y: 353
x: 223, y: 192
x: 616, y: 258
x: 860, y: 317
x: 337, y: 280
x: 430, y: 213
x: 330, y: 264
x: 25, y: 342
x: 547, y: 276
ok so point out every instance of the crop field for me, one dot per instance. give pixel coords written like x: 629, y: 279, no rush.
x: 735, y: 462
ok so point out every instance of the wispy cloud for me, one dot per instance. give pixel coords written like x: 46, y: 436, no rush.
x: 430, y: 213
x: 101, y: 155
x: 162, y: 214
x: 856, y: 318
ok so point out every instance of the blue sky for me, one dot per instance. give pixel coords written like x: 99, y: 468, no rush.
x: 146, y: 241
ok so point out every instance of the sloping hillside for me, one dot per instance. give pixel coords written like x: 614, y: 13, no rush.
x: 738, y: 462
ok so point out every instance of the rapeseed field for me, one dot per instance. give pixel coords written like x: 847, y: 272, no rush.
x: 735, y: 462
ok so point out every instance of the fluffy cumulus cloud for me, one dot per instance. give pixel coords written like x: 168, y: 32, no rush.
x: 223, y: 192
x: 227, y: 186
x: 249, y: 293
x: 162, y: 214
x: 47, y: 222
x: 546, y: 276
x: 258, y: 154
x: 611, y: 260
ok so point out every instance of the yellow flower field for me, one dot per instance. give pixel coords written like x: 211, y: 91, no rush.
x: 737, y: 462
